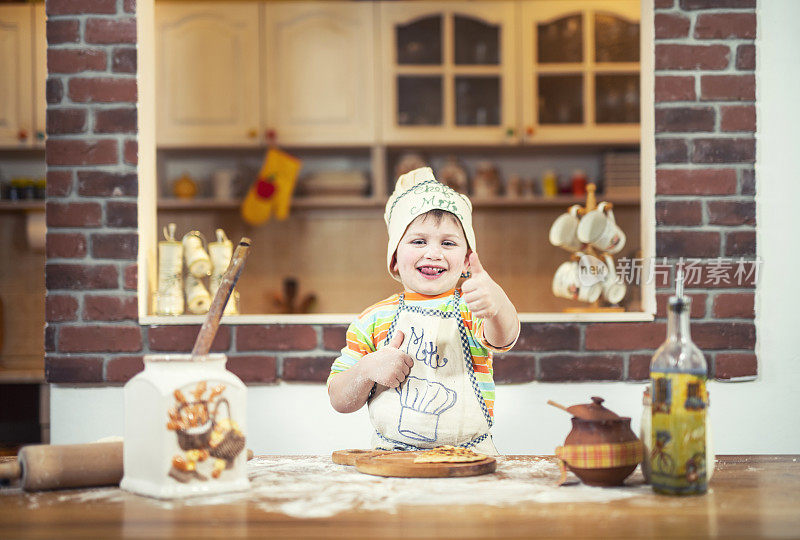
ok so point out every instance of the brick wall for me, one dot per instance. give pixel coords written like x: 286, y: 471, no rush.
x: 705, y: 124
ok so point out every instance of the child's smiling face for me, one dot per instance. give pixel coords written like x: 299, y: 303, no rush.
x: 431, y: 255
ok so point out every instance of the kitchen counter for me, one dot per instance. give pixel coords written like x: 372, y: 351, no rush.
x: 309, y: 496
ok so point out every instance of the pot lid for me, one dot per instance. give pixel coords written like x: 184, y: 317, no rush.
x: 589, y: 411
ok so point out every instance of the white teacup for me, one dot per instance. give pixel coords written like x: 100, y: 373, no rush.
x: 567, y: 284
x: 563, y: 232
x: 613, y: 287
x: 599, y: 228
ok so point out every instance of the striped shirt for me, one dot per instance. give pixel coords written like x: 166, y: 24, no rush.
x: 368, y: 332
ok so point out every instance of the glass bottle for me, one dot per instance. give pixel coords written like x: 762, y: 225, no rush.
x: 678, y: 375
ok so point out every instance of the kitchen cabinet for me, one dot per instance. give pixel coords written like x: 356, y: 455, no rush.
x: 580, y: 71
x: 448, y: 72
x: 23, y: 56
x: 207, y: 69
x: 318, y: 73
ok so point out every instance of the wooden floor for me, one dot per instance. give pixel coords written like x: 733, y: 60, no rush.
x: 750, y: 496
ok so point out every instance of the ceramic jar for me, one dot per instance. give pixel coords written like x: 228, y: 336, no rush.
x: 184, y: 428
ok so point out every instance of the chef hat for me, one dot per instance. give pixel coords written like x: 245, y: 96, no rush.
x: 416, y: 193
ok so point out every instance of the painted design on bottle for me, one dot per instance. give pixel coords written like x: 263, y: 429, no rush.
x: 678, y: 436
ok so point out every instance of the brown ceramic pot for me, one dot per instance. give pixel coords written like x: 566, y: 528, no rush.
x: 601, y: 427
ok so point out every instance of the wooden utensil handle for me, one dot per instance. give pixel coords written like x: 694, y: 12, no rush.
x: 210, y: 325
x: 557, y: 405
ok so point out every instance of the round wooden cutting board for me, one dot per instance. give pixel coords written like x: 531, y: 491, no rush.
x: 401, y: 464
x: 349, y: 457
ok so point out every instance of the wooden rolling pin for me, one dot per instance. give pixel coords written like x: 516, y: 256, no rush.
x: 43, y: 466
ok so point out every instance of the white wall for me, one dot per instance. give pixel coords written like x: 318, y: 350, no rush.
x: 750, y: 417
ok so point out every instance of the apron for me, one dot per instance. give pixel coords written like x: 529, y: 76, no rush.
x: 439, y: 402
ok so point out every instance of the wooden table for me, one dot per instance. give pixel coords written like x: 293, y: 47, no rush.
x: 755, y: 496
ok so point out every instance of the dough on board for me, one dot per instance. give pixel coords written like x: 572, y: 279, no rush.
x: 448, y: 454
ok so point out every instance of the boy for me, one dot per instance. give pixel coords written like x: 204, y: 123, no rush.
x: 422, y: 359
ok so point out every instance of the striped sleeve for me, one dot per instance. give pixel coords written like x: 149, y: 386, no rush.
x: 365, y: 334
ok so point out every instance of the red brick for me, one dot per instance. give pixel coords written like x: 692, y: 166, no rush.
x: 698, y: 305
x: 728, y: 88
x: 254, y: 369
x: 79, y: 7
x: 333, y: 337
x: 581, y: 368
x: 728, y: 335
x: 73, y: 369
x: 725, y: 26
x: 687, y: 244
x: 307, y: 368
x: 548, y: 337
x: 59, y: 183
x: 669, y: 88
x: 733, y: 365
x: 747, y: 181
x: 129, y: 6
x: 107, y: 338
x: 174, y: 338
x: 115, y: 120
x: 514, y: 368
x: 664, y: 4
x: 624, y: 336
x: 734, y: 306
x: 107, y: 184
x: 746, y: 57
x: 78, y: 277
x: 131, y: 152
x: 692, y: 57
x: 720, y: 150
x: 130, y: 279
x: 121, y: 369
x: 696, y: 181
x: 81, y: 152
x: 740, y: 244
x: 50, y: 337
x: 685, y: 119
x: 721, y: 274
x: 297, y: 337
x: 671, y: 151
x: 671, y: 25
x: 109, y: 31
x: 65, y: 246
x: 75, y: 60
x: 102, y: 90
x: 114, y: 245
x: 73, y: 214
x: 110, y: 308
x: 60, y: 121
x: 54, y: 91
x: 736, y: 118
x: 717, y: 4
x: 121, y: 214
x: 63, y: 31
x: 60, y: 308
x: 725, y: 212
x: 639, y: 367
x: 123, y: 60
x: 679, y: 212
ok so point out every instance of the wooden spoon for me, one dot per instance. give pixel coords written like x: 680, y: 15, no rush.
x: 211, y: 324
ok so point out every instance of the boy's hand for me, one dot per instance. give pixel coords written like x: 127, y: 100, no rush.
x: 483, y: 296
x: 388, y: 366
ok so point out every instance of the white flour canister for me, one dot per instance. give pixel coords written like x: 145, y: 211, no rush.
x: 184, y: 428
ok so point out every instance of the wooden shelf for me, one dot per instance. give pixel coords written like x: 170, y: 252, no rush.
x: 21, y: 206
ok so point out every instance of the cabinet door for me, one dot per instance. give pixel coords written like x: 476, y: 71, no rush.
x: 207, y: 62
x: 448, y: 72
x: 16, y: 75
x: 580, y: 71
x: 319, y: 85
x: 40, y: 74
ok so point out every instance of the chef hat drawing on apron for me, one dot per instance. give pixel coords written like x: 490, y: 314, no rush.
x: 416, y: 193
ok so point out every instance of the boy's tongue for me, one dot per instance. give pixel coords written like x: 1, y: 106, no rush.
x: 429, y: 271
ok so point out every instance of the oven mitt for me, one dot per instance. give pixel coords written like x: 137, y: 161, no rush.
x: 272, y: 191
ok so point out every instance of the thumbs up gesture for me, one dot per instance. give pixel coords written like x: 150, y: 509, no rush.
x: 389, y: 365
x: 482, y: 295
